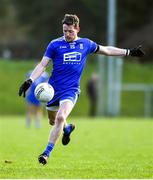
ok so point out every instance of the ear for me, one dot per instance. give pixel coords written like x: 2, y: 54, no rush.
x: 78, y: 29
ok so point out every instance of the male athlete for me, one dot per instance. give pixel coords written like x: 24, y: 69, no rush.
x: 68, y: 54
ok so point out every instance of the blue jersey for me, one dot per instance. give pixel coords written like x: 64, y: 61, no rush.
x: 68, y: 59
x: 30, y: 97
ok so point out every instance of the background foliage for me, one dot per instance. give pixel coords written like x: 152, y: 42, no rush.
x: 33, y: 24
x: 132, y: 104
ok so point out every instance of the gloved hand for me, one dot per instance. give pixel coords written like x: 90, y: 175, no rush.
x: 137, y: 52
x: 24, y: 87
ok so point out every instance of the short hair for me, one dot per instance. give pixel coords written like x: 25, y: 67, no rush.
x: 71, y: 19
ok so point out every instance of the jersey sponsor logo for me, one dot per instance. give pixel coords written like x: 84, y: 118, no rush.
x: 72, y: 57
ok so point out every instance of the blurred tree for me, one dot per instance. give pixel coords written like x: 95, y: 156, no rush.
x: 137, y: 25
x: 44, y: 18
x: 136, y: 14
x: 3, y: 8
x: 41, y: 20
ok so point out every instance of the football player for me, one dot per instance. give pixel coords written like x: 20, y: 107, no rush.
x: 68, y: 55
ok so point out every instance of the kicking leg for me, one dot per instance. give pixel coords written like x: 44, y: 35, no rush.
x: 68, y: 129
x: 60, y: 120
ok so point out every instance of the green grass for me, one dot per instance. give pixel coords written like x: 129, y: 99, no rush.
x: 12, y: 74
x: 16, y: 74
x: 99, y: 148
x: 132, y: 103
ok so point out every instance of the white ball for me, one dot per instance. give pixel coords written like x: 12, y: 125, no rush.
x: 44, y: 92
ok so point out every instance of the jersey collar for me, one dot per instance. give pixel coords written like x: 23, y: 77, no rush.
x: 73, y: 40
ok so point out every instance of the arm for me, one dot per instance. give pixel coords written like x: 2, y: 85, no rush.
x: 111, y: 51
x: 39, y: 69
x: 114, y: 51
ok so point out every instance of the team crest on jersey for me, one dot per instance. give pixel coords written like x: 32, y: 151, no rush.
x: 81, y: 46
x: 72, y: 58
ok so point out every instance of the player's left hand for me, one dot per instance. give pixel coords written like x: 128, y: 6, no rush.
x: 137, y: 51
x: 24, y: 87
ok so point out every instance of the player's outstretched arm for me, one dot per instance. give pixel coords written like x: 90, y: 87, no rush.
x: 39, y: 69
x: 114, y: 51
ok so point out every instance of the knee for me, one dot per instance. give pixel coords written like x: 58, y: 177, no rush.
x: 60, y: 119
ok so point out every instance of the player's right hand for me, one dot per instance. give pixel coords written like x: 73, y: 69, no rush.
x: 24, y: 87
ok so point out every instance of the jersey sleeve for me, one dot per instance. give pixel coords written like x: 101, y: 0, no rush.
x: 49, y: 51
x: 92, y: 46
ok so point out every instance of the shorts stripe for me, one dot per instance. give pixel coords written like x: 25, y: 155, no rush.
x: 56, y: 108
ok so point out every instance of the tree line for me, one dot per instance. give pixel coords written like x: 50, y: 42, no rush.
x: 41, y: 20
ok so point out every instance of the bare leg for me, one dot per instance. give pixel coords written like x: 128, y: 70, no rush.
x: 51, y: 117
x: 55, y: 132
x: 60, y: 121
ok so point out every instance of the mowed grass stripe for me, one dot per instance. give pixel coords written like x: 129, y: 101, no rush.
x: 100, y: 148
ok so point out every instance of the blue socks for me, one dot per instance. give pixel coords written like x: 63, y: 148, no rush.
x: 48, y: 149
x: 67, y: 129
x: 50, y: 146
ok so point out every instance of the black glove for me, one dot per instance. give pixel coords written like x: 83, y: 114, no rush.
x: 24, y: 87
x: 137, y: 52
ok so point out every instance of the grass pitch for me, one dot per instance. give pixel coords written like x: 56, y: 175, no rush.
x: 99, y: 148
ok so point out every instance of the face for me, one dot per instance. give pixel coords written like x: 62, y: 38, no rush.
x: 70, y: 32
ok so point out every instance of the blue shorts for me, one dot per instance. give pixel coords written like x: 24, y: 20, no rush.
x: 59, y: 98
